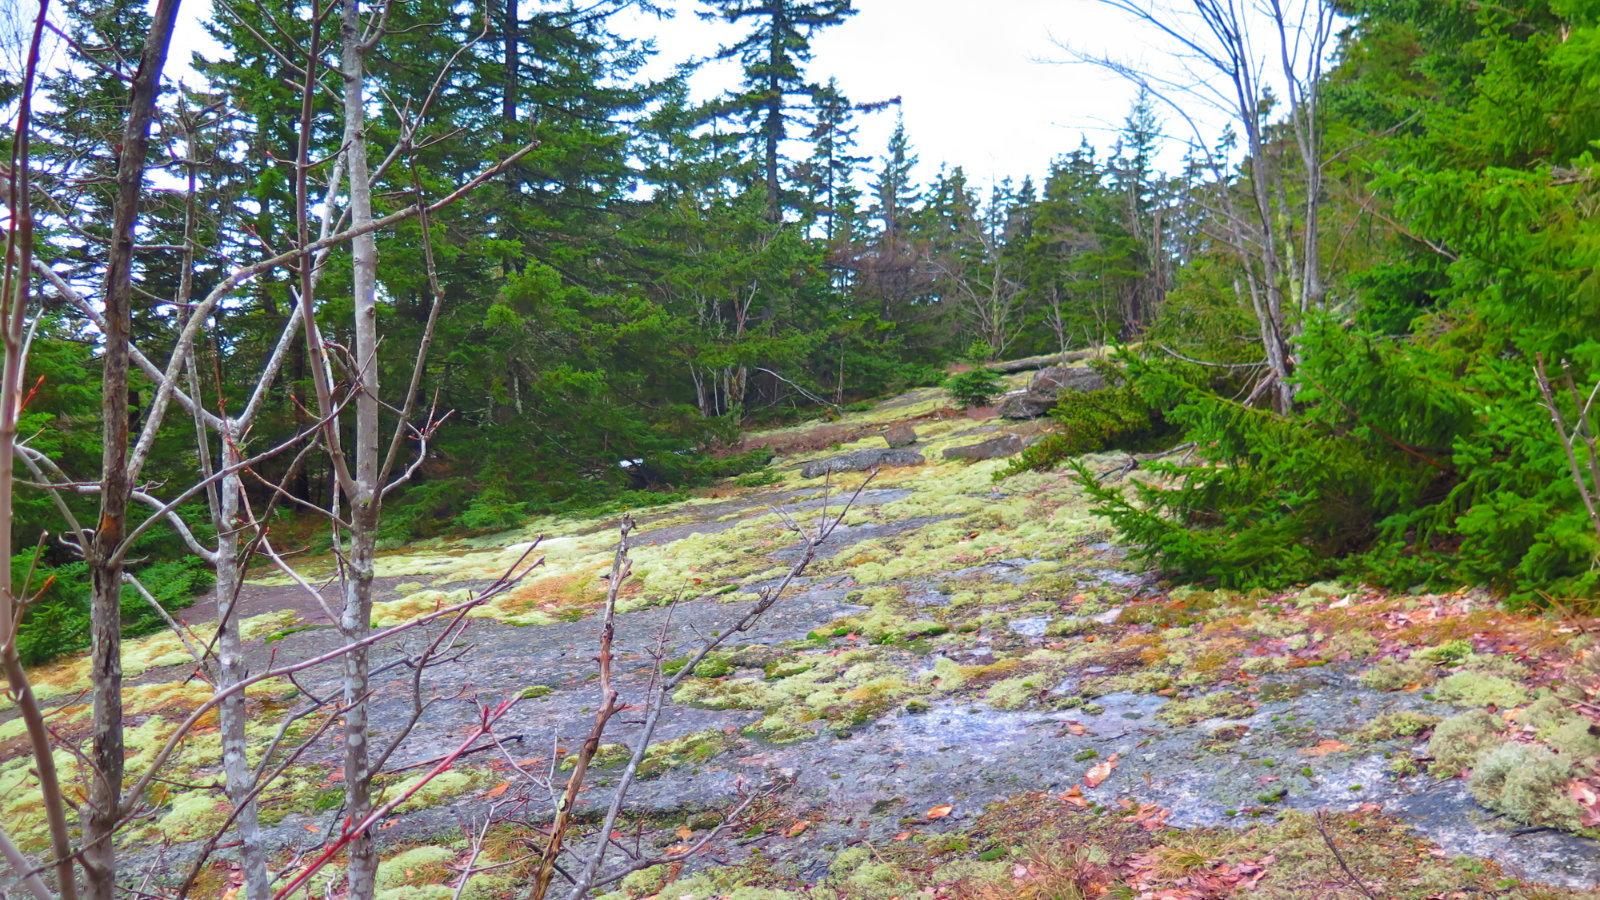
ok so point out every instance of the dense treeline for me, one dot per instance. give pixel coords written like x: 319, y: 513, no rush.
x: 1340, y: 300
x: 1458, y: 247
x: 655, y: 274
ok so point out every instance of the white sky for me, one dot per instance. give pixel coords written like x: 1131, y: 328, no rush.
x: 981, y: 80
x: 983, y: 83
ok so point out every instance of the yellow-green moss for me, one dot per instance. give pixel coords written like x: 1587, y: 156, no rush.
x: 1528, y: 783
x: 1394, y: 675
x: 418, y: 866
x: 1478, y: 689
x: 1219, y: 705
x: 1459, y: 740
x: 442, y: 789
x: 1392, y: 725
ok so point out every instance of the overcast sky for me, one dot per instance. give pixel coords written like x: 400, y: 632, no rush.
x: 984, y: 83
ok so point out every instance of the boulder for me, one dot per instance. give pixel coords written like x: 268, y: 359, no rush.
x: 994, y: 448
x: 897, y: 436
x: 1046, y: 387
x: 1061, y: 379
x: 861, y: 460
x: 1025, y: 405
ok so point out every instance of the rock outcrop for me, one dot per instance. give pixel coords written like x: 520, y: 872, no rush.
x: 862, y: 460
x: 1046, y: 387
x: 994, y: 448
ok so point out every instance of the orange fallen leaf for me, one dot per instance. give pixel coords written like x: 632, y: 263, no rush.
x: 940, y: 811
x: 1325, y: 747
x: 797, y: 828
x: 902, y: 836
x: 684, y: 833
x: 496, y: 791
x: 1101, y: 772
x: 313, y: 829
x: 1075, y: 797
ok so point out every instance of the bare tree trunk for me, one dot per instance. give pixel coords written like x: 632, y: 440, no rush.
x: 231, y: 670
x: 15, y: 293
x: 105, y: 551
x: 363, y: 494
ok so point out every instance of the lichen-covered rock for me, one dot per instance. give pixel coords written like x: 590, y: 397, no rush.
x: 1046, y: 387
x: 1478, y: 689
x: 994, y: 448
x: 1458, y: 741
x: 862, y: 460
x: 897, y: 436
x: 1060, y: 379
x: 1528, y: 783
x: 1026, y: 405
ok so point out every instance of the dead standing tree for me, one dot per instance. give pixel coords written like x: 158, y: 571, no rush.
x: 1220, y: 44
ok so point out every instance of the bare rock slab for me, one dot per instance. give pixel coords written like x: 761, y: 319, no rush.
x: 994, y: 448
x: 862, y: 460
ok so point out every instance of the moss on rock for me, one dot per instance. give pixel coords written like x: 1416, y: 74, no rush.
x: 1528, y: 783
x: 1475, y: 688
x: 1394, y: 675
x: 1459, y: 740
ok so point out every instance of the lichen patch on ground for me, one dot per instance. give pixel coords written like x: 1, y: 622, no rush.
x: 960, y: 642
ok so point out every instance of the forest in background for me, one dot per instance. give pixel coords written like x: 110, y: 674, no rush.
x: 1340, y: 302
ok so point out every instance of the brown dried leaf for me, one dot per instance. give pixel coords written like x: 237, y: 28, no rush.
x: 1101, y: 772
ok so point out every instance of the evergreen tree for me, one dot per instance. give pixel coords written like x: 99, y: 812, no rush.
x: 774, y: 54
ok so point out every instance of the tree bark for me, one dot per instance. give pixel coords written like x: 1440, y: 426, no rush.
x: 105, y: 551
x: 363, y: 493
x: 513, y: 60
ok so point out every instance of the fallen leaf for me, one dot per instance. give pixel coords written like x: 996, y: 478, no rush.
x: 1325, y: 747
x: 797, y: 828
x: 1076, y: 728
x: 1101, y: 772
x: 684, y: 833
x: 496, y: 791
x: 1075, y: 797
x: 939, y: 812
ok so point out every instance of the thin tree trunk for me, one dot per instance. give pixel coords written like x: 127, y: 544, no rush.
x: 105, y: 552
x: 13, y: 322
x: 231, y: 670
x: 513, y: 60
x: 363, y: 495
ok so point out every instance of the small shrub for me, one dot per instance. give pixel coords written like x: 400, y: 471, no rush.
x: 977, y: 387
